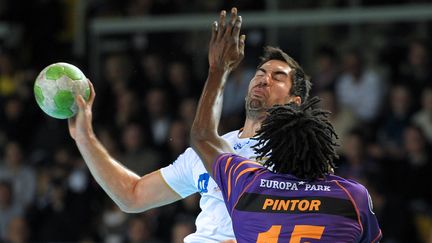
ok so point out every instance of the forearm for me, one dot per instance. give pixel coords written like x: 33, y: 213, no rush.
x: 131, y: 192
x: 226, y: 50
x: 117, y: 181
x: 210, y: 104
x: 204, y: 135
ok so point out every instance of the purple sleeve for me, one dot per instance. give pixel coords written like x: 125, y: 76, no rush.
x: 232, y: 174
x: 371, y: 229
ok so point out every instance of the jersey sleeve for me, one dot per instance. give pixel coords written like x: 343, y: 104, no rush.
x: 233, y: 174
x: 179, y: 175
x: 371, y: 230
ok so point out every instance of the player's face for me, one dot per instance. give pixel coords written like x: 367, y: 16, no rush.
x: 271, y: 85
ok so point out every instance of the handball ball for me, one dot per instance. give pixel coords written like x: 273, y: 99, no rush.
x: 57, y: 86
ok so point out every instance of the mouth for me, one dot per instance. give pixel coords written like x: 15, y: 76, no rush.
x: 256, y: 99
x: 258, y: 92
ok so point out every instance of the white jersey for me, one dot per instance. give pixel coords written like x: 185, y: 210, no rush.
x: 188, y: 175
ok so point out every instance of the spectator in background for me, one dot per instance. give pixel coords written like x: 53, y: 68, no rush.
x: 139, y: 230
x: 417, y: 73
x: 186, y: 111
x: 327, y: 70
x: 40, y: 41
x: 416, y: 170
x: 14, y: 121
x: 41, y: 201
x: 54, y: 220
x: 118, y: 72
x: 66, y: 197
x: 342, y: 119
x: 128, y: 109
x: 390, y: 134
x: 417, y: 165
x: 21, y: 176
x: 359, y: 88
x: 113, y: 222
x: 107, y: 136
x: 190, y: 206
x: 136, y: 156
x: 355, y: 163
x: 158, y: 117
x: 79, y: 197
x: 61, y: 164
x: 236, y: 89
x: 152, y: 71
x: 177, y: 140
x: 423, y: 117
x: 388, y: 207
x: 8, y: 84
x: 234, y: 93
x: 182, y: 227
x: 48, y: 132
x: 117, y: 79
x: 180, y: 81
x: 43, y: 185
x: 18, y: 231
x: 9, y: 208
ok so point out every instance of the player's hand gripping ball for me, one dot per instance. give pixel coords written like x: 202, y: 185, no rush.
x: 57, y: 86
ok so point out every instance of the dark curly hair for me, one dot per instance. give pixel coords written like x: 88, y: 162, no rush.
x: 298, y: 139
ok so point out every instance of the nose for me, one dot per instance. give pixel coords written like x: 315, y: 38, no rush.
x: 264, y: 81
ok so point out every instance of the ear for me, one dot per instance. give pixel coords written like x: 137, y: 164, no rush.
x: 296, y: 99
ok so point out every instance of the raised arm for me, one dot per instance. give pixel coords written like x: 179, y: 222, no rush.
x: 226, y: 50
x: 129, y: 191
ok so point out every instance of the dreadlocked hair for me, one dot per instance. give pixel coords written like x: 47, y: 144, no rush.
x: 299, y: 140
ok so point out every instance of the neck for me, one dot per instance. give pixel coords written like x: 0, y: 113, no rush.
x: 251, y: 126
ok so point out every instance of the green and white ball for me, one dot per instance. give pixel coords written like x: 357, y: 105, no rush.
x: 57, y: 86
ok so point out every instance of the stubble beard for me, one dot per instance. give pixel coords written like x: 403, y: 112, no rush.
x: 255, y: 108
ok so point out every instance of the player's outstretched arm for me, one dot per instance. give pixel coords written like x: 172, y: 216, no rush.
x: 129, y: 191
x: 226, y: 50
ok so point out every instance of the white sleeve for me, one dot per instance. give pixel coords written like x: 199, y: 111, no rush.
x: 179, y: 175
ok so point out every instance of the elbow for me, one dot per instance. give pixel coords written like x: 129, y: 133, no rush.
x: 199, y: 134
x: 132, y: 207
x: 194, y: 135
x: 127, y: 207
x: 132, y: 203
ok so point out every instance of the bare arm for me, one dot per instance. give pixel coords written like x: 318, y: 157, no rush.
x: 129, y: 191
x: 226, y: 50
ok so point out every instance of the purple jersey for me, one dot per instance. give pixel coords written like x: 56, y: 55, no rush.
x: 269, y: 207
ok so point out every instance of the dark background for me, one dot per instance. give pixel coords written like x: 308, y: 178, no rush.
x: 148, y: 82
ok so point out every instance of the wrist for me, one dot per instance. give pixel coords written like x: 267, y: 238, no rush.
x: 214, y: 69
x: 85, y: 138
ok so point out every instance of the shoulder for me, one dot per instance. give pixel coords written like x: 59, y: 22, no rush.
x: 351, y: 186
x: 185, y: 161
x: 236, y: 164
x: 235, y: 158
x: 189, y: 155
x: 356, y: 192
x: 230, y: 159
x: 230, y: 136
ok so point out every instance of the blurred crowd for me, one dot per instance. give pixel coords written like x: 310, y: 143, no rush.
x: 381, y: 104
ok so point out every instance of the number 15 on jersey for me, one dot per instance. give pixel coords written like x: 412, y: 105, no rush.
x: 299, y: 232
